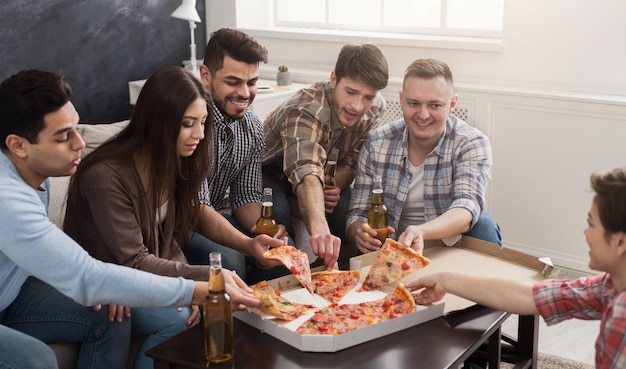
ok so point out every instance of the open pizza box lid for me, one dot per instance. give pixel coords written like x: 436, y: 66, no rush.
x: 469, y: 255
x: 473, y: 256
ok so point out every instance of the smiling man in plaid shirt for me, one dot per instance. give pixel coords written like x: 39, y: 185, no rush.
x: 435, y: 168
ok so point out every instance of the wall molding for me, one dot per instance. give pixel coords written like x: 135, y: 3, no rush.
x: 545, y: 145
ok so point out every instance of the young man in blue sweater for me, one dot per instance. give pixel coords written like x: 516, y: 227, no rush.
x: 51, y: 290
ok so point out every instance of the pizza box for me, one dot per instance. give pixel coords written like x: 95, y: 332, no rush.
x: 468, y: 255
x: 473, y: 256
x: 292, y: 290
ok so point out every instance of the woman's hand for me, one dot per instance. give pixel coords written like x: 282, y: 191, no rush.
x: 194, y: 317
x: 240, y: 294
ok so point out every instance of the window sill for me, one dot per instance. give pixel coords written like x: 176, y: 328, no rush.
x: 488, y: 44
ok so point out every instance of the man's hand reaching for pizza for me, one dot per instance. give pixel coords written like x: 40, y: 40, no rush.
x: 263, y: 243
x: 326, y: 246
x: 241, y: 296
x: 413, y: 237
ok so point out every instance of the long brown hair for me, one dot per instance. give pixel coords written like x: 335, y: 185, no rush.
x: 151, y: 135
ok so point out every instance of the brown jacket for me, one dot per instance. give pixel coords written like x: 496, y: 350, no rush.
x: 109, y: 217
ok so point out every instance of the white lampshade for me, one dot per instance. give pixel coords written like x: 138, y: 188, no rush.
x: 187, y: 11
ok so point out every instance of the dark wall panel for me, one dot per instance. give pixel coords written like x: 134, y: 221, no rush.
x: 98, y: 45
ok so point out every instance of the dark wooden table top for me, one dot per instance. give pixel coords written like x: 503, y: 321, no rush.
x: 444, y: 342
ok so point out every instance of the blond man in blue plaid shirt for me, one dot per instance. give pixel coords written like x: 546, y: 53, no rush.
x: 435, y: 168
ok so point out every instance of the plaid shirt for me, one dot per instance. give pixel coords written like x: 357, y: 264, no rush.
x: 301, y: 130
x: 456, y: 172
x: 236, y: 162
x: 589, y: 298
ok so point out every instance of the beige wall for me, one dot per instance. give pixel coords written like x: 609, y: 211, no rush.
x: 552, y: 100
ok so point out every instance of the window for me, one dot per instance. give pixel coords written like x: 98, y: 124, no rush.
x: 464, y: 18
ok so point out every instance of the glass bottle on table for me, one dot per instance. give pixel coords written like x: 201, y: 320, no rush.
x: 266, y: 223
x: 377, y: 217
x: 218, y: 317
x: 329, y: 169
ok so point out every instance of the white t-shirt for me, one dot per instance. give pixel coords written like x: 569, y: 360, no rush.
x: 413, y: 210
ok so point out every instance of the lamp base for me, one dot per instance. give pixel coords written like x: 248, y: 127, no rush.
x: 188, y: 67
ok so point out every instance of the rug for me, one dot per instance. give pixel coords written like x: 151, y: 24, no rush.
x: 546, y: 361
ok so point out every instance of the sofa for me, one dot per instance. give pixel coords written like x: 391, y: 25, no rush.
x: 94, y: 135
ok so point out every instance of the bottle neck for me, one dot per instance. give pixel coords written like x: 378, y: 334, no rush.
x: 267, y: 211
x: 329, y: 168
x: 216, y: 280
x: 377, y: 197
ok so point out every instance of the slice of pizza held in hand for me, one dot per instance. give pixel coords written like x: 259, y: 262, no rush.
x: 276, y: 305
x: 393, y: 262
x: 296, y: 261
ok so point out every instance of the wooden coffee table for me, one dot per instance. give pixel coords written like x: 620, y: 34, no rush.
x: 445, y: 342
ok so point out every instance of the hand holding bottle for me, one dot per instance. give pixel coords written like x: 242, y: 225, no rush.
x: 377, y: 217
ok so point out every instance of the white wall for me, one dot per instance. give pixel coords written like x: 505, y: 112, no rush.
x: 552, y: 99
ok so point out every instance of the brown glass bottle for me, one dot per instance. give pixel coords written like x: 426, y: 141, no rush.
x: 267, y: 223
x: 329, y: 169
x: 377, y: 217
x: 218, y: 317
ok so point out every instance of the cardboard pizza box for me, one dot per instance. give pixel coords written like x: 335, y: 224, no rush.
x: 285, y: 331
x: 292, y: 290
x: 469, y: 255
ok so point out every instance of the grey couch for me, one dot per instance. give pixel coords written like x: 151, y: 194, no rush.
x: 94, y: 135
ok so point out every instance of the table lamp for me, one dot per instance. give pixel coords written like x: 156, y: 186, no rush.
x: 187, y: 11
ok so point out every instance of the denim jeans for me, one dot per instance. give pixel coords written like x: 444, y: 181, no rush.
x: 486, y: 229
x: 42, y: 312
x: 158, y: 325
x: 21, y: 351
x: 199, y: 247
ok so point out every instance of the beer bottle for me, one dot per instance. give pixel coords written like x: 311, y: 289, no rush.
x: 329, y: 169
x: 267, y: 223
x: 218, y: 317
x: 377, y: 217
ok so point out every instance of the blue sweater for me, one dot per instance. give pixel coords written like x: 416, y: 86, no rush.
x: 31, y: 245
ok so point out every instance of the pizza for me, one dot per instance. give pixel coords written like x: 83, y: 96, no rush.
x: 333, y: 285
x: 276, y: 305
x: 337, y: 319
x: 296, y: 261
x: 393, y: 262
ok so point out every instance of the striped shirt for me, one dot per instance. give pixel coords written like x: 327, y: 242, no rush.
x: 589, y: 298
x: 301, y: 130
x: 456, y: 172
x: 236, y: 162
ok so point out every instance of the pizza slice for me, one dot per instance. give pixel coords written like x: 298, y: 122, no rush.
x: 276, y: 305
x: 402, y: 302
x: 393, y: 262
x: 296, y: 261
x: 333, y: 285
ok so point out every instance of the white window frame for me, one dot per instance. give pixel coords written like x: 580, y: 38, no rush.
x: 443, y: 30
x: 475, y: 40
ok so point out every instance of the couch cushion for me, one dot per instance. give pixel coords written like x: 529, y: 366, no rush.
x: 95, y: 134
